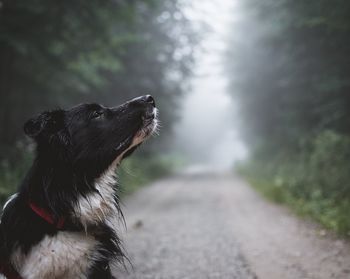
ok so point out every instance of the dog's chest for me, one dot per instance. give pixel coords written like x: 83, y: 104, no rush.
x: 69, y: 255
x: 65, y: 255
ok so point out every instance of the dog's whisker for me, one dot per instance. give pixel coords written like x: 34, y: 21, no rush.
x: 127, y: 171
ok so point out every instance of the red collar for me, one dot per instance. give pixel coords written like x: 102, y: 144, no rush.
x: 9, y: 272
x: 59, y: 223
x: 7, y: 269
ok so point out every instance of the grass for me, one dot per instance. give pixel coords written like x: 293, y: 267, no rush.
x: 136, y: 172
x: 332, y: 213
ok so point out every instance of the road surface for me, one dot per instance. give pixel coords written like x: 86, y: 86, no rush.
x: 216, y: 226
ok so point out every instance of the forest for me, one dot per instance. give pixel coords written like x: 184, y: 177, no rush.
x: 288, y: 68
x: 58, y: 54
x: 289, y: 65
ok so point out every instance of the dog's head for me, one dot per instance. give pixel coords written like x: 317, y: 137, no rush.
x: 90, y: 137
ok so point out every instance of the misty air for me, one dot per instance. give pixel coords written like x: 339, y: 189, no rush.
x: 175, y: 139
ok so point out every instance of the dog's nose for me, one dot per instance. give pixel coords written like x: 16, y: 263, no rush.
x: 149, y: 99
x: 143, y: 100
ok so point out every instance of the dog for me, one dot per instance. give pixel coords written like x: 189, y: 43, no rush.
x: 60, y: 223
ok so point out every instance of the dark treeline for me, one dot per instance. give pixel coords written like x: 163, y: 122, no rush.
x: 290, y: 68
x: 58, y: 54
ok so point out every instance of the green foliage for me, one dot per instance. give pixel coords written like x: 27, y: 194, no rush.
x: 316, y: 183
x: 290, y: 74
x: 140, y: 170
x: 58, y: 54
x: 290, y: 68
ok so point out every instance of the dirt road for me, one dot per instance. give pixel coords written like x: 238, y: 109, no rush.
x: 216, y: 226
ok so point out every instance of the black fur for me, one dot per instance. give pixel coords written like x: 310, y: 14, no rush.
x: 74, y: 147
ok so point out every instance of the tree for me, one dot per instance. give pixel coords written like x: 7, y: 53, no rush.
x: 60, y: 54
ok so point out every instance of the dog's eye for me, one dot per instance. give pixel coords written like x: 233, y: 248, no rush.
x: 96, y: 114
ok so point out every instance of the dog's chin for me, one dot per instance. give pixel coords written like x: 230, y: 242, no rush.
x: 148, y: 128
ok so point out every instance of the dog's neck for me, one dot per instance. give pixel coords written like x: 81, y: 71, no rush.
x: 101, y: 204
x: 56, y: 189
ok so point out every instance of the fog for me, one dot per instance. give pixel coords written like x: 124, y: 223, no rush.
x: 228, y: 76
x: 250, y: 93
x: 207, y: 133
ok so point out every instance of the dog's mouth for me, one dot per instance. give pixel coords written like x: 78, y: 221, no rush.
x: 149, y: 127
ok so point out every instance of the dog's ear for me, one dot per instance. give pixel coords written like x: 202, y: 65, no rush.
x: 45, y: 124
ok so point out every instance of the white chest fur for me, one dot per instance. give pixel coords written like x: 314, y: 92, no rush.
x: 66, y: 255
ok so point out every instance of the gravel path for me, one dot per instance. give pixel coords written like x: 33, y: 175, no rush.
x: 215, y: 226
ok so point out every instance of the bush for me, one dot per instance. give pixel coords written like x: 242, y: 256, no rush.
x: 315, y: 182
x: 137, y: 171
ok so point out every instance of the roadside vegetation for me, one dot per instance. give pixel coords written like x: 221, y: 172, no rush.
x: 314, y: 182
x: 137, y: 172
x: 293, y: 92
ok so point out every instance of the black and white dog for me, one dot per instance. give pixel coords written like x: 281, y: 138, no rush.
x: 59, y: 224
